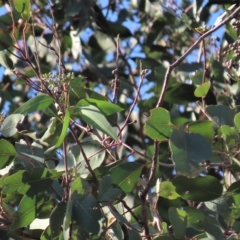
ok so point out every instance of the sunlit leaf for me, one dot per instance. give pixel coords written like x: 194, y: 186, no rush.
x: 125, y: 175
x: 202, y: 90
x: 39, y: 102
x: 178, y: 220
x: 159, y: 126
x: 25, y: 213
x: 94, y: 117
x: 23, y: 6
x: 107, y: 108
x: 9, y: 124
x: 7, y: 153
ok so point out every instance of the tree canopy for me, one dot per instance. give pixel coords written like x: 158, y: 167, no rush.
x: 120, y: 120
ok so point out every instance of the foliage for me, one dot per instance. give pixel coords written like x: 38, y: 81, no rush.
x: 119, y: 121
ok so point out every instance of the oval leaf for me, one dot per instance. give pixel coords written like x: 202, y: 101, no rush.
x: 158, y: 125
x: 198, y: 189
x: 202, y: 90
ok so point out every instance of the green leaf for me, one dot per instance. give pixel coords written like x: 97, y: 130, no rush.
x: 167, y: 190
x: 24, y: 7
x: 5, y: 39
x: 234, y: 188
x: 126, y: 175
x: 204, y: 127
x: 107, y: 108
x: 9, y: 124
x: 86, y: 212
x: 49, y: 132
x: 159, y: 126
x: 178, y: 219
x: 39, y: 102
x: 7, y: 153
x: 94, y: 117
x: 198, y: 189
x: 38, y: 180
x: 195, y: 217
x: 237, y: 120
x: 187, y: 151
x: 60, y: 140
x: 56, y: 219
x: 29, y: 155
x: 94, y: 154
x: 6, y: 61
x: 213, y: 228
x: 190, y: 67
x: 221, y: 115
x: 118, y: 28
x: 202, y: 90
x: 106, y: 192
x: 67, y: 219
x: 25, y: 213
x: 220, y: 206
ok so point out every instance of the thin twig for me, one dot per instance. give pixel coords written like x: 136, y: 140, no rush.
x: 179, y: 60
x: 116, y: 72
x: 142, y: 76
x: 146, y: 190
x: 84, y: 157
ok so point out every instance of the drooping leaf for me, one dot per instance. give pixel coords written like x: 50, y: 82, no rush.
x: 56, y: 219
x: 220, y: 206
x: 63, y: 132
x: 49, y: 132
x: 25, y: 213
x: 187, y: 151
x: 195, y: 217
x: 125, y: 175
x: 39, y: 102
x: 178, y: 220
x: 95, y: 156
x: 237, y: 120
x: 5, y: 39
x: 159, y: 126
x: 7, y: 153
x: 29, y: 156
x: 67, y: 218
x: 39, y: 179
x: 213, y: 228
x: 94, y: 117
x: 86, y: 213
x: 107, y: 108
x: 9, y: 124
x: 199, y: 189
x: 106, y: 191
x: 6, y: 61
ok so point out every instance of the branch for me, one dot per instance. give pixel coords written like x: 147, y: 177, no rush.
x: 179, y: 60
